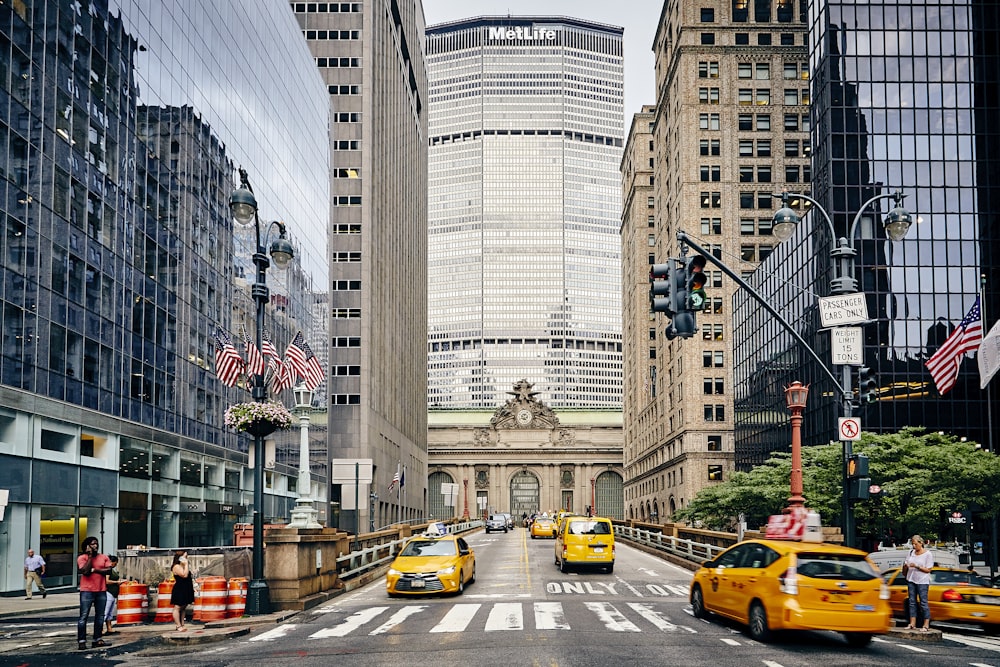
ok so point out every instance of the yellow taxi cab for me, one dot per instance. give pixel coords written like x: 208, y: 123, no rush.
x: 434, y: 562
x: 954, y: 596
x: 587, y: 541
x: 771, y: 585
x: 543, y: 526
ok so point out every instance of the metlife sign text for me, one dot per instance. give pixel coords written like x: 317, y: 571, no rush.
x: 521, y: 32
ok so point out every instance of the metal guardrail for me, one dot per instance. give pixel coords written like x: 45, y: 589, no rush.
x: 696, y: 552
x: 357, y: 562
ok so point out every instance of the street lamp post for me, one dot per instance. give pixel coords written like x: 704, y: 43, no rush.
x: 371, y: 512
x: 896, y: 224
x: 593, y: 497
x: 243, y: 206
x: 465, y: 489
x: 795, y: 395
x: 304, y: 513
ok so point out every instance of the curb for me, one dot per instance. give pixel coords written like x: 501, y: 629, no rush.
x: 204, y: 636
x: 931, y: 635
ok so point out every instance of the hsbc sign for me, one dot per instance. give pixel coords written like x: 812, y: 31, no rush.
x: 521, y: 32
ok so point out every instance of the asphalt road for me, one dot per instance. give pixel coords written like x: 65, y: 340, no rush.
x: 523, y: 611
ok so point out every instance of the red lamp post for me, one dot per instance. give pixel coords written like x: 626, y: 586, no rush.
x: 465, y: 511
x: 795, y: 395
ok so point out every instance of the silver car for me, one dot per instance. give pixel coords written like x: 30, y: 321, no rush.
x: 496, y: 522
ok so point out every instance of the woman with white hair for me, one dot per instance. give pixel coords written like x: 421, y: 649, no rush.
x: 918, y: 567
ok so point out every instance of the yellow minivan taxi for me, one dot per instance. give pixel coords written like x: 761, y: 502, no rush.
x: 771, y: 585
x: 586, y: 541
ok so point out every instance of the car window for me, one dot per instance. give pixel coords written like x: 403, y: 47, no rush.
x: 588, y: 528
x: 734, y: 556
x: 758, y: 556
x: 956, y: 577
x: 429, y: 548
x: 835, y: 566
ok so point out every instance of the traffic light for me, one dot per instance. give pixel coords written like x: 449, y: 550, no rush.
x: 867, y: 385
x: 857, y: 477
x: 659, y: 288
x: 857, y: 465
x: 682, y: 319
x: 694, y: 280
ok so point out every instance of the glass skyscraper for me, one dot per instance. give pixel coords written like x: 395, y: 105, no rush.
x: 525, y: 132
x: 904, y: 95
x: 122, y: 124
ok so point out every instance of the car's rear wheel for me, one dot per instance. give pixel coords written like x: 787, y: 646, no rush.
x: 698, y: 603
x: 759, y: 629
x: 609, y: 568
x: 858, y: 639
x: 563, y: 567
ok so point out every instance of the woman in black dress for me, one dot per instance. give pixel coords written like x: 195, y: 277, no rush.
x: 183, y: 591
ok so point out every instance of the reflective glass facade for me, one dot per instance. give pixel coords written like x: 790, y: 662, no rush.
x: 525, y: 131
x: 121, y: 128
x: 903, y: 96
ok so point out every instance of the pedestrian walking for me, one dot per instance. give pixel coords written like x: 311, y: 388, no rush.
x: 917, y: 569
x: 183, y: 592
x: 113, y: 583
x: 93, y: 567
x: 34, y: 570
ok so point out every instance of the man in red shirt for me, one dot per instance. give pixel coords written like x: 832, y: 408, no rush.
x: 92, y: 566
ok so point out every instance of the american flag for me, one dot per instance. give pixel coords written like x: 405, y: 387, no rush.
x: 284, y: 376
x: 267, y: 347
x: 296, y: 356
x: 314, y: 374
x: 395, y: 479
x: 255, y: 360
x: 228, y: 363
x: 944, y: 364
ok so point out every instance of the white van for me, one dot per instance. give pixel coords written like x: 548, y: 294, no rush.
x: 888, y: 558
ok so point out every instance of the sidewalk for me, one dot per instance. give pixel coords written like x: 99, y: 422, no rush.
x: 16, y: 611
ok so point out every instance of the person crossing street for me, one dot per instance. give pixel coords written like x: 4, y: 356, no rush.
x: 34, y: 570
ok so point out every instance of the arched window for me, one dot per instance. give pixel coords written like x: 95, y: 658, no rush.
x: 609, y: 495
x: 435, y: 499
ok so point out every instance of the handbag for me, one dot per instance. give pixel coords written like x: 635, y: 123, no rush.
x: 906, y: 568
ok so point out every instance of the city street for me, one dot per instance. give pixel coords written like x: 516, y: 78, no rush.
x: 523, y: 611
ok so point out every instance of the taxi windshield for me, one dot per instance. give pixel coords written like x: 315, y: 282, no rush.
x: 589, y: 528
x: 429, y: 548
x: 835, y: 566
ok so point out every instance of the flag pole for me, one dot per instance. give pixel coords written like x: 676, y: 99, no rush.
x: 989, y: 435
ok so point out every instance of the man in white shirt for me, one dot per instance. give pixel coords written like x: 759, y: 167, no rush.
x: 34, y: 570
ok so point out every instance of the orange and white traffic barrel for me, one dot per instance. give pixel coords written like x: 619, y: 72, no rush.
x: 133, y: 602
x: 214, y: 593
x: 236, y: 602
x: 164, y: 610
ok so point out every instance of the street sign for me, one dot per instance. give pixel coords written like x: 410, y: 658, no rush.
x: 846, y: 348
x: 843, y: 309
x: 874, y: 489
x: 351, y: 471
x: 849, y: 428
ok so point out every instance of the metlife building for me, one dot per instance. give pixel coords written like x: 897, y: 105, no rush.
x: 524, y: 276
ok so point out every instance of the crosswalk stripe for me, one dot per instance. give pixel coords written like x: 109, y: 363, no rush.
x: 549, y: 616
x: 398, y: 618
x: 505, y: 616
x: 274, y: 633
x: 653, y: 616
x: 349, y: 624
x: 613, y: 619
x: 457, y: 618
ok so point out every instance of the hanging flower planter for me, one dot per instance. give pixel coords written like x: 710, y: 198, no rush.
x: 259, y: 419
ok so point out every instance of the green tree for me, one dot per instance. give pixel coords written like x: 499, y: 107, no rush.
x: 921, y: 473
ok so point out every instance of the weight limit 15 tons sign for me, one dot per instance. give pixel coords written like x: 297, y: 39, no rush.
x: 846, y: 348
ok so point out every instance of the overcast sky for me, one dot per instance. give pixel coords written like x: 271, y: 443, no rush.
x: 637, y: 17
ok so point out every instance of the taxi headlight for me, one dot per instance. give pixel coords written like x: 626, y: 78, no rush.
x: 447, y: 570
x: 393, y: 572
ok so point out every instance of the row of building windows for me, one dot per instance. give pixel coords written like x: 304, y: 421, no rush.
x: 338, y: 62
x: 762, y: 173
x: 345, y: 285
x: 715, y: 413
x: 343, y: 90
x: 332, y: 34
x: 353, y: 256
x: 762, y: 147
x: 326, y: 7
x: 346, y: 313
x: 763, y: 39
x: 764, y: 11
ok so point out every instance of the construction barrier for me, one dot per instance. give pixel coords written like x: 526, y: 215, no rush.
x: 133, y: 603
x: 164, y: 610
x: 236, y: 602
x: 197, y: 605
x: 214, y: 592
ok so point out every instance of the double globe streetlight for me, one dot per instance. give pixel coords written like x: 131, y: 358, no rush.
x: 243, y: 206
x: 896, y: 224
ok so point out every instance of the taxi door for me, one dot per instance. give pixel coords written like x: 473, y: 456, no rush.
x: 722, y: 596
x: 746, y: 578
